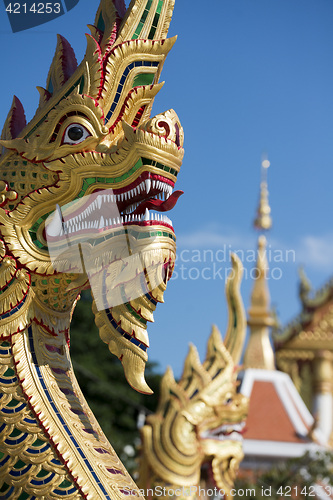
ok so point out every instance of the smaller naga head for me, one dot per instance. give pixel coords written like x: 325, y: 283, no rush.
x: 86, y: 184
x: 199, y: 420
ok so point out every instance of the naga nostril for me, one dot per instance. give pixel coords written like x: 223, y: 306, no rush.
x: 164, y: 125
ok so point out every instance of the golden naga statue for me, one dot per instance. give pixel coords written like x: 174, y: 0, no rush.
x: 83, y: 189
x: 199, y: 420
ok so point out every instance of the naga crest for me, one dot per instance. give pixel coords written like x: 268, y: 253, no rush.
x: 84, y: 185
x: 200, y: 418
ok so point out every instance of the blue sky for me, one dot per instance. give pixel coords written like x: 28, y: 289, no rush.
x: 245, y: 77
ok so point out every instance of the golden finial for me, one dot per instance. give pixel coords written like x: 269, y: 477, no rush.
x: 259, y: 352
x: 263, y: 220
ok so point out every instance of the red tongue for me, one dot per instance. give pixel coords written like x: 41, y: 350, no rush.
x: 159, y: 205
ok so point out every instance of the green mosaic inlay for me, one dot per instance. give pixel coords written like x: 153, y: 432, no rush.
x: 81, y: 85
x: 95, y: 180
x: 8, y: 285
x: 38, y: 443
x: 142, y: 20
x: 42, y: 473
x: 24, y: 496
x: 143, y: 79
x: 19, y: 464
x: 65, y: 484
x: 9, y: 372
x: 15, y: 433
x: 13, y: 403
x: 101, y: 23
x: 40, y: 245
x: 131, y: 310
x: 155, y: 20
x: 135, y: 314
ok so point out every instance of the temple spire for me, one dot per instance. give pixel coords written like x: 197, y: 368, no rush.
x: 259, y: 352
x: 263, y: 221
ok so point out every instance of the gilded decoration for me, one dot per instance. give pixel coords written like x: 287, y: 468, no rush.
x: 200, y: 418
x: 304, y: 347
x: 90, y: 177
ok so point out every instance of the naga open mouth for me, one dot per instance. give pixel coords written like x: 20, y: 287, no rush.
x: 111, y: 208
x: 231, y: 432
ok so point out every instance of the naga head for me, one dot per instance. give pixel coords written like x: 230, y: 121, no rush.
x: 199, y: 420
x: 84, y: 185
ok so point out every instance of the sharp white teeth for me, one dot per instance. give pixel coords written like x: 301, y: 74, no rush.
x: 148, y: 185
x: 135, y: 191
x: 154, y: 184
x: 146, y: 216
x: 101, y: 222
x: 55, y: 226
x: 109, y: 197
x: 118, y: 220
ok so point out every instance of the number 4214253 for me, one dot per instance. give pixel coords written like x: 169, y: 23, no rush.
x: 35, y: 8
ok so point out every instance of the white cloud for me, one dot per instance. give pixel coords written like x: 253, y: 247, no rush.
x: 316, y: 251
x: 215, y: 236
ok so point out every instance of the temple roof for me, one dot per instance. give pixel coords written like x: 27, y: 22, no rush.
x: 278, y: 424
x: 313, y: 327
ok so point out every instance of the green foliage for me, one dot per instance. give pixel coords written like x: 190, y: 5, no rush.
x: 293, y: 478
x: 100, y: 375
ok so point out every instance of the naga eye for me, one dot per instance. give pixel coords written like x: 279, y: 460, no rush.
x: 75, y: 134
